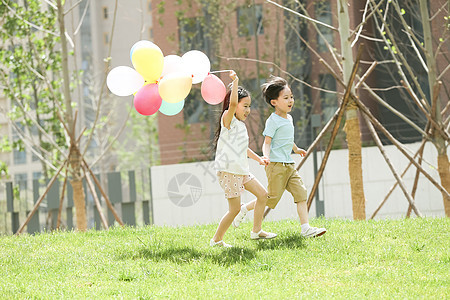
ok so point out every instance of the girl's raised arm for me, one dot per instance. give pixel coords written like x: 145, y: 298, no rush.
x: 228, y: 116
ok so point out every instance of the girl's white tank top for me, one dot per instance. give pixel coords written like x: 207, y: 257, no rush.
x: 232, y: 145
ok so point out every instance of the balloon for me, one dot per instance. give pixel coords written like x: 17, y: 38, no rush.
x: 172, y: 63
x: 147, y: 100
x: 213, y: 90
x: 197, y: 64
x: 141, y: 44
x: 171, y: 109
x: 148, y: 60
x: 174, y: 87
x: 124, y: 81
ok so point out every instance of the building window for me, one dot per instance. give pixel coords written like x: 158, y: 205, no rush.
x: 21, y: 181
x: 149, y: 6
x: 150, y: 33
x: 195, y: 108
x: 192, y: 35
x: 328, y: 101
x: 19, y: 155
x: 250, y: 20
x: 323, y: 14
x: 105, y: 12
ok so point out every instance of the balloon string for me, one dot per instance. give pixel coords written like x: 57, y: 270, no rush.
x: 220, y: 71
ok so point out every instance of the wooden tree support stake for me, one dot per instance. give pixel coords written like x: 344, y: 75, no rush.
x: 61, y: 200
x: 388, y: 161
x: 399, y: 147
x: 347, y: 94
x: 38, y: 203
x: 108, y: 203
x: 96, y: 200
x: 391, y: 190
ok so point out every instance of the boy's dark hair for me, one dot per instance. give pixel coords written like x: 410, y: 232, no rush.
x: 242, y: 93
x: 272, y: 88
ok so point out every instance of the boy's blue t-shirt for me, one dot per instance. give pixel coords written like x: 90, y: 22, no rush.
x: 281, y: 131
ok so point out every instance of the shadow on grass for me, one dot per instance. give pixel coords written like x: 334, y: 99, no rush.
x: 181, y: 255
x: 292, y: 241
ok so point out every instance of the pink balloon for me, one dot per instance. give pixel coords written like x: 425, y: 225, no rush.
x: 213, y: 89
x: 147, y: 100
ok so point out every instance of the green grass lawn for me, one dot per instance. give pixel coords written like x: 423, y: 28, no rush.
x: 373, y: 259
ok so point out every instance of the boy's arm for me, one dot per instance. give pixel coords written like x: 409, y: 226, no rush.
x: 266, y: 146
x: 298, y: 150
x: 228, y: 116
x: 253, y: 155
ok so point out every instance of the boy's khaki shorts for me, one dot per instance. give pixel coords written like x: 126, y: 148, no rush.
x: 281, y: 177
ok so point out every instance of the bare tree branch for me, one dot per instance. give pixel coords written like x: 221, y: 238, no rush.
x: 100, y: 96
x: 303, y: 16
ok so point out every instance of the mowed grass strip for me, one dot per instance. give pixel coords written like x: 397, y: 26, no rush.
x: 404, y: 259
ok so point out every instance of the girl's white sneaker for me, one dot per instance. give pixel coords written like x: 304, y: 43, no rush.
x: 239, y: 218
x: 212, y: 243
x: 258, y: 236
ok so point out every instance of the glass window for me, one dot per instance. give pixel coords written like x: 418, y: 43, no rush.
x: 328, y: 101
x: 20, y: 180
x: 19, y: 155
x: 250, y: 20
x: 192, y: 35
x: 195, y: 108
x: 105, y: 13
x: 323, y: 14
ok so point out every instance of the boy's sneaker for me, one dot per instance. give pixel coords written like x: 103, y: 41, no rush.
x: 239, y: 218
x: 257, y: 235
x: 219, y: 244
x: 314, y: 232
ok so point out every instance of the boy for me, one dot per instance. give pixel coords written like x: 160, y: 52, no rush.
x: 278, y: 145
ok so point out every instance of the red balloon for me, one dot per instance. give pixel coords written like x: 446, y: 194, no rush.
x: 147, y: 100
x: 213, y: 89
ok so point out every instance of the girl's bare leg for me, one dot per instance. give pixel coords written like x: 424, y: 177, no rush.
x: 234, y: 206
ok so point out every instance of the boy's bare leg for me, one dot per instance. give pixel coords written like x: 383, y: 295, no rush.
x: 302, y: 211
x: 258, y: 214
x: 251, y: 205
x: 256, y: 188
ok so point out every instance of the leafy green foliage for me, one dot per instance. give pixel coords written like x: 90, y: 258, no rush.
x: 31, y: 64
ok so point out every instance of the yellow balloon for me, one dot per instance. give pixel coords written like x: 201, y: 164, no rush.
x: 148, y: 61
x: 174, y: 87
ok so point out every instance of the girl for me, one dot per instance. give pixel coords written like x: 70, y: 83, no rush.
x: 231, y: 162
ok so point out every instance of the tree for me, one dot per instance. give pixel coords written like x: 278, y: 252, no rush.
x: 352, y: 124
x: 38, y: 64
x: 425, y: 91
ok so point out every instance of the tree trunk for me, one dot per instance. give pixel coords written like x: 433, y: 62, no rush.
x: 78, y: 200
x: 78, y: 190
x: 444, y: 174
x: 355, y: 164
x: 74, y: 152
x: 352, y: 121
x: 438, y: 140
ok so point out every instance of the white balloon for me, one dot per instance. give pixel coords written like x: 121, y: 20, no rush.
x: 197, y: 64
x: 172, y: 63
x: 124, y: 81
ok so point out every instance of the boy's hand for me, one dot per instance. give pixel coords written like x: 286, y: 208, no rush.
x: 301, y: 151
x: 264, y: 161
